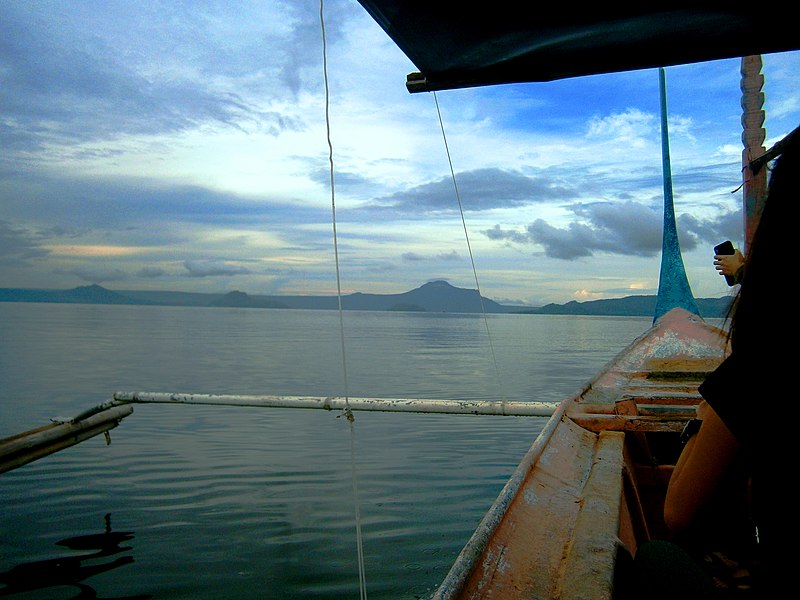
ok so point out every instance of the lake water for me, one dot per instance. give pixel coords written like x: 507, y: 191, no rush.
x: 241, y: 503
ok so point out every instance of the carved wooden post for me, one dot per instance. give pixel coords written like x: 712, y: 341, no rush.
x: 753, y: 134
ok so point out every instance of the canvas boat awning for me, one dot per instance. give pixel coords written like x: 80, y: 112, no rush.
x: 457, y: 45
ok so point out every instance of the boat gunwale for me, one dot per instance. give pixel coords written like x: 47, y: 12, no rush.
x: 465, y: 562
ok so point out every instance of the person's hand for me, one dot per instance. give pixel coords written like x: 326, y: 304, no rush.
x: 728, y: 264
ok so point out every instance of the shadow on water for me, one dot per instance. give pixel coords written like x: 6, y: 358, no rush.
x: 73, y: 570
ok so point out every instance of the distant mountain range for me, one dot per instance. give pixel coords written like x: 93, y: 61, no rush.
x: 434, y: 296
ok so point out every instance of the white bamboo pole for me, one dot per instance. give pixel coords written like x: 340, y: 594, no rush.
x: 466, y: 407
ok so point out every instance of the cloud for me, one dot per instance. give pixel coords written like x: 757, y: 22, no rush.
x: 452, y: 255
x: 150, y: 272
x: 627, y: 228
x: 18, y: 245
x: 83, y: 204
x: 575, y: 241
x: 498, y: 233
x: 99, y: 273
x: 213, y: 268
x: 194, y: 133
x: 479, y: 190
x: 343, y: 180
x: 727, y: 226
x: 81, y: 72
x: 441, y: 256
x: 634, y: 128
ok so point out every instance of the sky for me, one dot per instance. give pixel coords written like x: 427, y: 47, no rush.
x: 171, y: 145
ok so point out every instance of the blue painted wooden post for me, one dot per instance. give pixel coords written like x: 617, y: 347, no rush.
x: 673, y: 286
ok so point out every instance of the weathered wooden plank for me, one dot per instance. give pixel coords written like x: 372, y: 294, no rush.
x: 599, y: 423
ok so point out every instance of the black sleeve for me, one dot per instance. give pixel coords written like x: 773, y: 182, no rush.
x: 728, y: 391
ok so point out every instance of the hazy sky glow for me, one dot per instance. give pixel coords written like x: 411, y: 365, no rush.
x: 182, y: 146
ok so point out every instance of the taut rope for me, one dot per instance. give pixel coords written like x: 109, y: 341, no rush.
x: 348, y: 413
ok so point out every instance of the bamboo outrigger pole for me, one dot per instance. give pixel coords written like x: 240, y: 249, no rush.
x: 26, y: 447
x: 413, y: 405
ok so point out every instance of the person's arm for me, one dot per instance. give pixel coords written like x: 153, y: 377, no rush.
x: 700, y: 468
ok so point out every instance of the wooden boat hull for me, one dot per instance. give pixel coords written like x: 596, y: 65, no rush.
x: 590, y: 489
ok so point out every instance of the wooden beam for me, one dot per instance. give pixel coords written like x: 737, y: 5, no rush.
x: 753, y: 135
x: 598, y: 423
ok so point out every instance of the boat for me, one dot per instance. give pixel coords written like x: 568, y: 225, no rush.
x: 590, y: 489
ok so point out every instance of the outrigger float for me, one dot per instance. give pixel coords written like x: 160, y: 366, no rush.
x: 591, y: 487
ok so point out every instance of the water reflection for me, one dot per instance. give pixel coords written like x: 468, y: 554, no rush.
x: 73, y: 570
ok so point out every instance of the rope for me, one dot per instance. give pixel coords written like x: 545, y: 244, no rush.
x: 362, y: 577
x: 347, y: 412
x: 469, y: 247
x: 333, y: 196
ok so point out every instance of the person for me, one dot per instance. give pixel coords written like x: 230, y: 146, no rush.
x: 745, y: 418
x: 731, y: 266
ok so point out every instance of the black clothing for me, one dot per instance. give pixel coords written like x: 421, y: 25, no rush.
x: 745, y: 391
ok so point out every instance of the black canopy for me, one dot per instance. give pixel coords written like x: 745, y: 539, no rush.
x: 456, y: 45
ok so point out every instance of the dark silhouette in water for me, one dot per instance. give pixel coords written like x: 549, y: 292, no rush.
x: 71, y: 570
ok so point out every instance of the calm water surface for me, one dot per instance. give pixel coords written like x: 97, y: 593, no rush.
x: 192, y: 502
